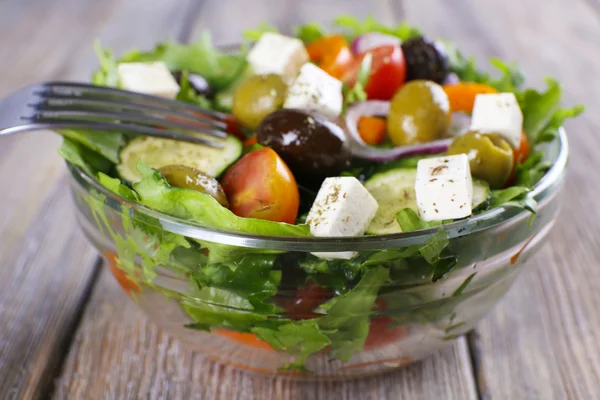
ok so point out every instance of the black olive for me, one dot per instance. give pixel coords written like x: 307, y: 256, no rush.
x: 197, y: 82
x: 311, y: 145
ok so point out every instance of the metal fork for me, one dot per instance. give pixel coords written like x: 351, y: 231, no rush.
x: 69, y: 105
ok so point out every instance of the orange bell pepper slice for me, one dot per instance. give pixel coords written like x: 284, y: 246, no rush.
x: 372, y: 130
x: 248, y: 339
x: 126, y: 282
x: 332, y: 54
x: 462, y: 95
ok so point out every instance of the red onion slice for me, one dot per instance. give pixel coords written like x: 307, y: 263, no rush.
x: 372, y: 40
x: 360, y: 149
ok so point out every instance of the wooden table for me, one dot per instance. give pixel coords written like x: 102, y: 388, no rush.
x: 67, y: 330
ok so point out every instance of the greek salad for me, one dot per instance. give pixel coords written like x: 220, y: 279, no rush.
x: 364, y: 130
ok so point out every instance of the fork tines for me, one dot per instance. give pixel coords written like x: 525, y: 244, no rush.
x: 62, y: 102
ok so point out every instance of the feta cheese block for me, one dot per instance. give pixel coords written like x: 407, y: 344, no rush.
x: 153, y: 78
x: 343, y: 207
x: 315, y: 90
x: 277, y: 54
x: 498, y: 113
x: 444, y: 188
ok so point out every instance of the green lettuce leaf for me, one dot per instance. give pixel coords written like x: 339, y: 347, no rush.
x: 107, y: 75
x: 302, y: 338
x: 532, y: 170
x: 509, y: 79
x: 106, y: 144
x: 202, y: 58
x: 354, y: 27
x: 514, y: 196
x: 310, y: 32
x: 140, y: 238
x: 256, y: 33
x: 346, y: 323
x: 215, y: 307
x: 189, y: 95
x: 542, y: 115
x: 251, y: 277
x: 90, y: 161
x: 410, y: 221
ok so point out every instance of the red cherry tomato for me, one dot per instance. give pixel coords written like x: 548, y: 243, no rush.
x: 305, y: 300
x: 380, y: 332
x: 260, y: 185
x: 388, y: 72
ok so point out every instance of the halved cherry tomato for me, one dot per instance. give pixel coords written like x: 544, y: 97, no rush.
x: 126, y: 282
x: 332, y: 54
x: 305, y: 300
x: 462, y: 95
x: 520, y: 155
x: 372, y: 130
x: 380, y: 333
x: 388, y: 72
x: 260, y: 185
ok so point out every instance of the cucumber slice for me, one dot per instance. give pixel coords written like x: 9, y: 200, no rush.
x: 481, y: 193
x: 394, y: 190
x: 157, y: 152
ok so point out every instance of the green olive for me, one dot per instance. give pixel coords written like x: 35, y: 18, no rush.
x: 419, y: 113
x: 490, y: 156
x: 258, y: 97
x: 185, y: 177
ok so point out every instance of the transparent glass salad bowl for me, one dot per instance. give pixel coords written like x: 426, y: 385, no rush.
x: 407, y: 317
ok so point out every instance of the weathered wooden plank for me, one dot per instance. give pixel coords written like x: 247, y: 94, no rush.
x: 542, y: 341
x: 47, y: 266
x: 118, y: 353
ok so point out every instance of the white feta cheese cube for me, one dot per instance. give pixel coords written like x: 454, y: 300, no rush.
x: 444, y: 187
x: 498, y: 113
x: 153, y: 78
x: 343, y: 207
x: 277, y: 54
x: 316, y: 90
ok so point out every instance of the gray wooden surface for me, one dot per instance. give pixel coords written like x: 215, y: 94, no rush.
x: 67, y: 330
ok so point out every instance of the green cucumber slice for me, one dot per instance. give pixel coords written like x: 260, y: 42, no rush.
x: 394, y: 190
x: 158, y: 152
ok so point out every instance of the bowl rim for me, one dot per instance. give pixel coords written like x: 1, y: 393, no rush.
x: 483, y: 221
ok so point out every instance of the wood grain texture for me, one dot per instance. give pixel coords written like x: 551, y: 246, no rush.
x: 47, y: 265
x: 44, y: 277
x: 137, y: 360
x: 118, y: 353
x: 542, y: 342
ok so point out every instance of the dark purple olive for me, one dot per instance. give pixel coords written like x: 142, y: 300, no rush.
x: 197, y: 82
x: 311, y: 145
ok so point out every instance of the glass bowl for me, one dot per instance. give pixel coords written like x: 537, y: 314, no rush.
x: 414, y: 309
